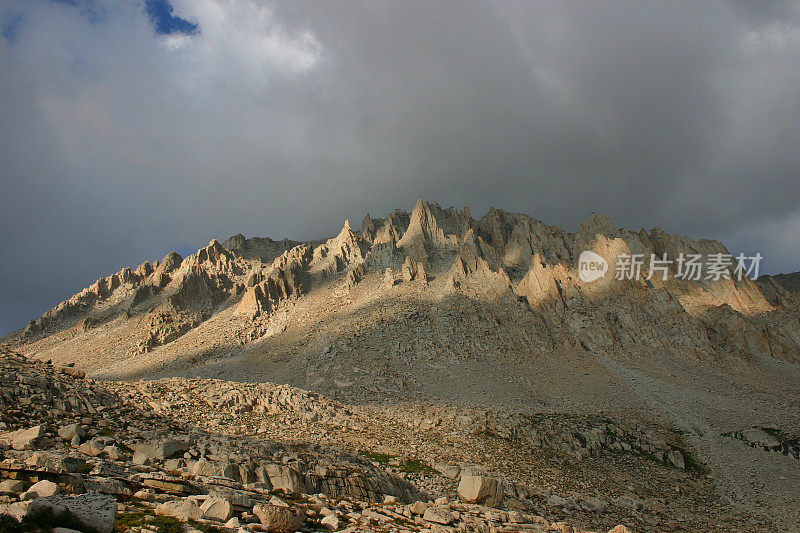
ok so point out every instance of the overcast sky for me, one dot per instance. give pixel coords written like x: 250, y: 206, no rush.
x: 127, y: 130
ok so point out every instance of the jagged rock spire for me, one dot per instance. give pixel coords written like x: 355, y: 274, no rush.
x: 424, y: 237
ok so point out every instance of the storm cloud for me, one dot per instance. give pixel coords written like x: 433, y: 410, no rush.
x: 128, y: 130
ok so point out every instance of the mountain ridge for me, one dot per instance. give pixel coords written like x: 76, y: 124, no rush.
x: 501, y: 253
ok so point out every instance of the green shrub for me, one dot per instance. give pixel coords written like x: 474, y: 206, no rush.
x: 382, y: 458
x: 166, y: 524
x: 417, y: 466
x: 125, y: 521
x: 86, y: 467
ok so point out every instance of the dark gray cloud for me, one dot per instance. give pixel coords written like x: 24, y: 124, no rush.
x: 118, y: 144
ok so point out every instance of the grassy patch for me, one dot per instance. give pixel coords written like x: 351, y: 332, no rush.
x: 417, y: 466
x: 161, y: 524
x: 85, y: 468
x: 690, y: 461
x: 125, y: 521
x: 776, y: 433
x: 410, y: 466
x: 382, y: 458
x: 166, y: 524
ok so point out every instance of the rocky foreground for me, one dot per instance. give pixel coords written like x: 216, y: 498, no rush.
x: 102, y: 457
x: 209, y: 455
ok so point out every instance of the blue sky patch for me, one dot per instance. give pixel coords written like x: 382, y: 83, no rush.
x: 160, y: 13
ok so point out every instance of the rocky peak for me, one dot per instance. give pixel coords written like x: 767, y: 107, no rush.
x: 216, y: 257
x: 170, y: 262
x: 144, y: 270
x: 261, y: 249
x: 337, y: 253
x: 367, y: 231
x: 424, y: 237
x: 236, y: 242
x: 477, y: 267
x: 498, y: 227
x: 597, y: 224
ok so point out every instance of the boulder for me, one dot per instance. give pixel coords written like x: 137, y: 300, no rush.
x: 54, y: 463
x: 165, y: 449
x: 418, y: 508
x: 554, y: 500
x: 279, y: 519
x: 758, y: 437
x: 215, y: 508
x: 94, y: 510
x: 388, y: 277
x: 447, y: 470
x: 41, y: 489
x: 181, y: 509
x: 71, y: 431
x: 563, y: 527
x: 140, y: 458
x: 204, y: 467
x: 14, y: 510
x: 11, y: 486
x: 631, y: 503
x: 114, y: 452
x: 676, y: 458
x: 26, y: 439
x: 481, y: 489
x: 207, y: 468
x: 107, y: 485
x: 92, y: 448
x: 278, y: 502
x: 413, y: 270
x: 145, y: 495
x: 173, y: 485
x: 439, y: 515
x: 330, y: 522
x: 73, y: 372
